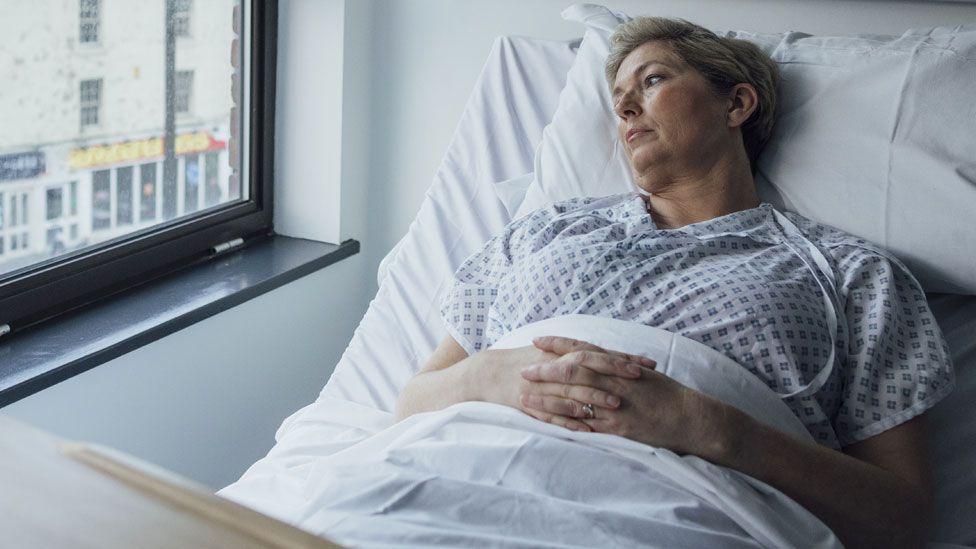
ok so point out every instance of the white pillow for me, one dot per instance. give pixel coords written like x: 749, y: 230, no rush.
x: 512, y: 191
x: 875, y: 135
x: 579, y: 154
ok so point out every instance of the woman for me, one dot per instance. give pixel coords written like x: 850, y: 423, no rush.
x: 837, y: 328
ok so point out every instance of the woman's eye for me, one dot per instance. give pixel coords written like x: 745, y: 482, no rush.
x: 651, y: 79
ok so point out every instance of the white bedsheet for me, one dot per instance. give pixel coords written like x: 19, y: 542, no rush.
x: 480, y: 473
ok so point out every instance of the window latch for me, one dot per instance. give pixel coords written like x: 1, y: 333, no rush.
x: 225, y: 246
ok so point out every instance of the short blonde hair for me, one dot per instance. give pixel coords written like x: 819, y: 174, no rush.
x: 724, y: 62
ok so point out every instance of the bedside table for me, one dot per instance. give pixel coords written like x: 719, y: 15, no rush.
x: 56, y: 493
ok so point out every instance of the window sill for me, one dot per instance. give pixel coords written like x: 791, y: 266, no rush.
x: 79, y: 341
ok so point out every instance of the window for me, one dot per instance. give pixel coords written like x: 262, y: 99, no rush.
x: 116, y: 200
x: 53, y: 203
x: 184, y: 91
x: 181, y: 18
x: 91, y: 101
x: 88, y: 15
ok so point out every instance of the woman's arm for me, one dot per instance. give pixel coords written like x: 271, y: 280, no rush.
x: 437, y: 385
x: 878, y: 494
x: 451, y: 376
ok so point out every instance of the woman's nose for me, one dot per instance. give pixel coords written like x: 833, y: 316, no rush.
x: 626, y: 108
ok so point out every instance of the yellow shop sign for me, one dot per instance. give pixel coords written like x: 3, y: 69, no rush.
x: 127, y: 152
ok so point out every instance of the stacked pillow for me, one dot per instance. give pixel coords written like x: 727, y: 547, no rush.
x: 875, y: 135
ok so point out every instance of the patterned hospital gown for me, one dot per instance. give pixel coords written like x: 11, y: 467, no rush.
x: 729, y: 283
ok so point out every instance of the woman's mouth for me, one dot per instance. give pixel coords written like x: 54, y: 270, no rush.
x: 634, y: 133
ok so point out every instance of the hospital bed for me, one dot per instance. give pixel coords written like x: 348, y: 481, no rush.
x: 474, y: 194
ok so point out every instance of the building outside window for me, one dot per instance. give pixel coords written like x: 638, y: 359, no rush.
x: 89, y: 13
x: 181, y: 18
x: 91, y: 101
x: 183, y: 91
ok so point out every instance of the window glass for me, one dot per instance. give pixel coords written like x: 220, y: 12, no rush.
x: 74, y: 198
x: 147, y: 193
x: 192, y: 186
x: 54, y: 203
x: 55, y: 241
x: 184, y: 91
x: 88, y: 15
x: 212, y: 179
x: 123, y: 196
x: 101, y: 200
x: 124, y: 135
x: 181, y: 17
x: 90, y: 101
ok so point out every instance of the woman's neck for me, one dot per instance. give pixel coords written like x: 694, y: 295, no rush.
x: 728, y: 188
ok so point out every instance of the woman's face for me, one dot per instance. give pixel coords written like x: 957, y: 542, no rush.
x: 670, y: 122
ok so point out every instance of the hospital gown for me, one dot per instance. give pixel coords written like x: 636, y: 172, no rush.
x: 730, y: 283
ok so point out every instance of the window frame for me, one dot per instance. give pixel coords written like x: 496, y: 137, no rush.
x: 54, y: 287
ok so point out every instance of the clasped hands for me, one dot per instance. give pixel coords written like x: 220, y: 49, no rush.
x: 626, y: 397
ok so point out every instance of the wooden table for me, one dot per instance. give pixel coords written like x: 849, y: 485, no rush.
x: 56, y: 493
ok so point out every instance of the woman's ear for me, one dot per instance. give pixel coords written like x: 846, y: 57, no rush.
x: 743, y: 101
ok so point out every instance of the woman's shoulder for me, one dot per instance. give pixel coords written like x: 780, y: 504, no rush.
x: 850, y: 253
